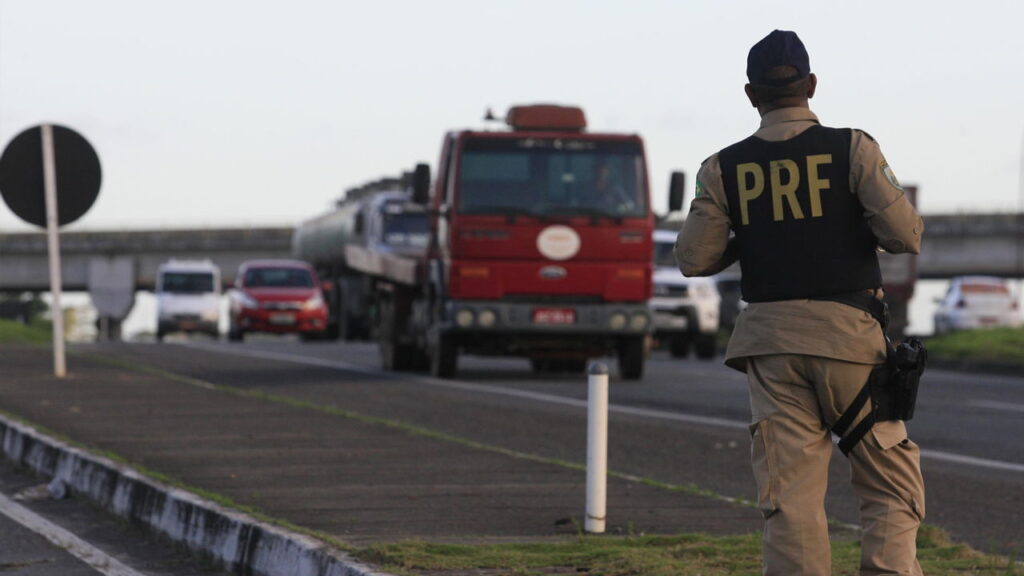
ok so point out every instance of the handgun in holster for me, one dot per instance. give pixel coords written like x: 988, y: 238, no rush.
x: 891, y: 386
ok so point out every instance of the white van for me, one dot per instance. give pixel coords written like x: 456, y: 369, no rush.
x: 187, y: 297
x: 686, y: 310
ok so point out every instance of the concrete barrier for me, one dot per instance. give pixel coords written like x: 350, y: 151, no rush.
x: 235, y: 540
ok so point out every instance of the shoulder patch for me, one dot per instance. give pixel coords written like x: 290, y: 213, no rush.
x: 889, y: 175
x: 701, y: 191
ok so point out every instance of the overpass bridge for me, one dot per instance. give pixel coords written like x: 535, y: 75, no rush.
x: 125, y: 261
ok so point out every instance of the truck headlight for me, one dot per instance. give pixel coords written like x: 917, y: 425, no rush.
x: 617, y: 321
x: 464, y: 318
x: 487, y: 318
x: 638, y: 321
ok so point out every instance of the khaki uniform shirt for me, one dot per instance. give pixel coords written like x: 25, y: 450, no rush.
x: 808, y: 327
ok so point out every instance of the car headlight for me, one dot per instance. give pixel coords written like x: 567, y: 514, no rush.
x: 246, y: 301
x: 315, y: 302
x: 464, y: 318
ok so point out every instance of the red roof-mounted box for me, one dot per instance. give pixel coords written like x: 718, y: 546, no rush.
x: 546, y: 117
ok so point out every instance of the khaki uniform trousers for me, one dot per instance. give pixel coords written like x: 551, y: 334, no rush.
x: 794, y: 400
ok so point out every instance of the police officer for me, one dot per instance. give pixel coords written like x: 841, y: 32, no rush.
x: 803, y: 208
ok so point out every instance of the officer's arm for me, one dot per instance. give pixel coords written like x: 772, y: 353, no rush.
x: 701, y: 247
x: 891, y: 216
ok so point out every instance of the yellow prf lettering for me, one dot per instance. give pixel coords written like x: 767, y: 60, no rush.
x: 755, y: 190
x: 816, y: 184
x: 787, y: 190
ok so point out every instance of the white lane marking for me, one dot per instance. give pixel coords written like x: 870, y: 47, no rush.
x: 94, y: 557
x: 972, y: 461
x: 993, y: 405
x: 554, y: 399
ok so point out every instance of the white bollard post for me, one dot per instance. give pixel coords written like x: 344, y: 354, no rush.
x: 597, y: 448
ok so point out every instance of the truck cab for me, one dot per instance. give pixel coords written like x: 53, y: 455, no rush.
x: 540, y: 245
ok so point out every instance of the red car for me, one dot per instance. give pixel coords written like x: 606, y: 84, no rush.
x: 277, y: 296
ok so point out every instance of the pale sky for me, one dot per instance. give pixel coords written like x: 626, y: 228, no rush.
x: 235, y: 113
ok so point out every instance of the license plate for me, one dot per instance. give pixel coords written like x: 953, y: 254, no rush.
x: 282, y: 319
x: 554, y: 316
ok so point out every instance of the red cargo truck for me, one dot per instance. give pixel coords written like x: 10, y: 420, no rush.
x: 540, y: 247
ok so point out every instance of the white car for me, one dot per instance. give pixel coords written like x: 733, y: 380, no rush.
x: 188, y: 297
x: 976, y: 302
x: 685, y: 309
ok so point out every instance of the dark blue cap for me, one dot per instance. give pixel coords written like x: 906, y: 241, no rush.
x: 780, y: 48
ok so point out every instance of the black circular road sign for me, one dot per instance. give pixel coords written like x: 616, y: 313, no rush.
x: 21, y: 175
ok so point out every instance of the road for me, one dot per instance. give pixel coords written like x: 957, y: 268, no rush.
x: 44, y: 536
x: 684, y: 424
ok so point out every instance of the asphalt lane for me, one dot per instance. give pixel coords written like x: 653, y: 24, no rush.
x: 684, y: 424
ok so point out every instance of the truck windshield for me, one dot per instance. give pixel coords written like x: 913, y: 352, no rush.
x: 540, y: 176
x: 406, y: 230
x: 278, y: 278
x: 186, y: 282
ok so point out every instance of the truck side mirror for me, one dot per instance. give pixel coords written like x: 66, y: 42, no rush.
x: 676, y: 191
x: 421, y: 184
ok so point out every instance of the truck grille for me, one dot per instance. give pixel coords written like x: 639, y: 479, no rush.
x: 554, y: 298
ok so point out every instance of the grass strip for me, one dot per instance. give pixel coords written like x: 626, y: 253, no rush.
x: 994, y: 344
x: 680, y: 555
x: 18, y: 333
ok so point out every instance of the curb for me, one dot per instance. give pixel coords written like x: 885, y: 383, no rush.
x: 241, y: 543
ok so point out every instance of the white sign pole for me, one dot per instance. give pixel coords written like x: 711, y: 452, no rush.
x: 53, y: 242
x: 597, y: 448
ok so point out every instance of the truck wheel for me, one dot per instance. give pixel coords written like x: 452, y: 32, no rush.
x: 631, y: 358
x: 331, y: 333
x: 679, y: 346
x: 444, y: 357
x: 707, y: 346
x: 395, y: 357
x: 235, y: 334
x: 574, y: 365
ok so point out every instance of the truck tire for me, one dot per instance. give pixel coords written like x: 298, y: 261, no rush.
x: 679, y: 345
x: 707, y: 346
x: 631, y: 357
x: 331, y: 333
x: 235, y: 335
x: 444, y: 357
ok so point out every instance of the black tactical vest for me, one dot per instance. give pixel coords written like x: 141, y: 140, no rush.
x: 801, y: 231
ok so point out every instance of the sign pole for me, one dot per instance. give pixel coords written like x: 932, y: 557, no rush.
x: 53, y: 243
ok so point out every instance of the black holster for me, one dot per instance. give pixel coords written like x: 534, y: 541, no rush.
x: 893, y: 396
